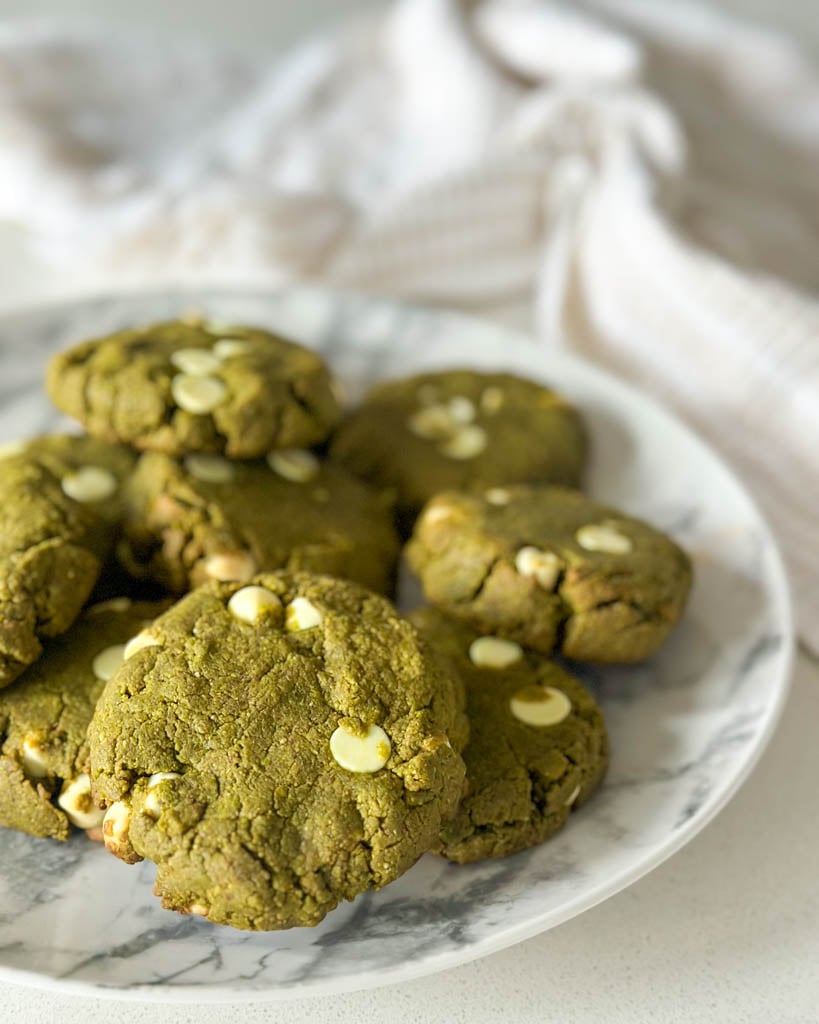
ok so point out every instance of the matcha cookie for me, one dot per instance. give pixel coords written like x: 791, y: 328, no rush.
x: 196, y: 387
x: 56, y: 529
x: 276, y: 748
x: 205, y: 517
x: 92, y: 472
x: 460, y: 430
x: 537, y: 746
x: 553, y: 570
x: 44, y: 716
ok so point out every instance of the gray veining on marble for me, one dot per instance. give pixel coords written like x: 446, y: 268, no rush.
x: 685, y: 727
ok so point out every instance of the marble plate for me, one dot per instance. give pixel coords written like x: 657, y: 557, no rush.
x: 686, y: 728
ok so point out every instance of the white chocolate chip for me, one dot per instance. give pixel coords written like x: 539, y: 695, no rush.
x: 90, y: 483
x: 250, y: 604
x: 139, y: 643
x: 492, y: 652
x: 116, y: 824
x: 437, y: 514
x: 498, y: 496
x: 196, y: 362
x: 227, y: 348
x: 432, y: 423
x: 302, y: 614
x: 540, y: 705
x: 75, y: 800
x: 219, y: 327
x: 153, y: 803
x: 575, y: 793
x: 544, y: 566
x: 157, y: 777
x: 461, y: 409
x: 192, y: 317
x: 427, y: 394
x: 9, y: 448
x: 492, y: 400
x: 32, y: 758
x: 233, y: 566
x: 603, y: 537
x: 115, y: 604
x: 199, y: 909
x: 197, y: 394
x: 210, y: 469
x: 367, y: 753
x: 466, y: 444
x: 108, y: 661
x: 295, y: 464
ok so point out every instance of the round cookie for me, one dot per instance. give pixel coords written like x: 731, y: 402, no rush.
x: 91, y: 471
x: 204, y: 517
x: 459, y: 430
x: 55, y: 533
x: 553, y: 570
x: 279, y: 747
x: 537, y: 746
x: 196, y: 387
x: 44, y: 716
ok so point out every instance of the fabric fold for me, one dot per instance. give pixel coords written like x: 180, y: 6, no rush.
x: 644, y: 177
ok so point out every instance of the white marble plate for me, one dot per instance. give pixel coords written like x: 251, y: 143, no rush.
x: 686, y: 728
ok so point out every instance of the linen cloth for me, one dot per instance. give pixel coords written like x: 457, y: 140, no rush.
x: 643, y: 177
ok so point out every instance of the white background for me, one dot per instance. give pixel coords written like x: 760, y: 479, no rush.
x: 726, y: 932
x: 273, y: 24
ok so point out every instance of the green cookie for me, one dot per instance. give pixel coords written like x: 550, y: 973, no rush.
x: 93, y: 472
x: 207, y: 518
x: 196, y: 387
x: 537, y: 746
x: 56, y: 529
x: 460, y: 430
x: 281, y: 747
x: 44, y: 716
x: 553, y: 570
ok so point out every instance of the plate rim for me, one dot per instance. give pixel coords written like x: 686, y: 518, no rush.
x: 504, y: 936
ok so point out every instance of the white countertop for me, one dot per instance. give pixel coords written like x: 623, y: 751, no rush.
x: 726, y: 931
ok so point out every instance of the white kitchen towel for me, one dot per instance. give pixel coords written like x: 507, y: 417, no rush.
x: 644, y: 175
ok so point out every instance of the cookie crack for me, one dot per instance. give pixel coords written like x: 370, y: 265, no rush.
x: 561, y: 627
x: 258, y: 858
x: 24, y: 587
x: 155, y: 375
x: 644, y: 613
x: 476, y: 593
x: 88, y: 379
x: 301, y: 401
x: 541, y: 788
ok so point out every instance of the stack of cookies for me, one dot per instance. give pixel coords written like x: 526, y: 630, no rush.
x: 200, y: 662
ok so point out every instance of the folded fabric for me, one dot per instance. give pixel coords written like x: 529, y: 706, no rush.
x: 645, y: 176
